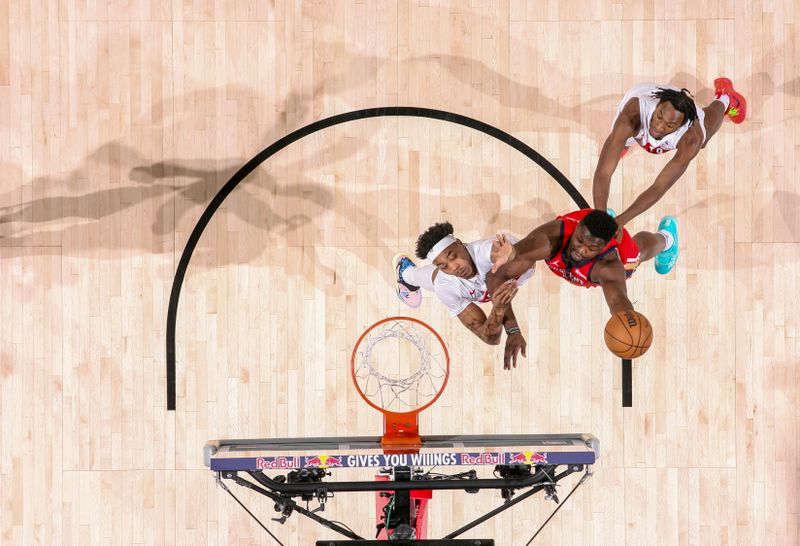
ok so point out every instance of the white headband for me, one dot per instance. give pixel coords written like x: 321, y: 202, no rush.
x: 446, y: 241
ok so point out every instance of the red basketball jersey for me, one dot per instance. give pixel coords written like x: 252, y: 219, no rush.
x: 579, y: 274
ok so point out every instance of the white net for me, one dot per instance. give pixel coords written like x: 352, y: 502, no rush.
x: 400, y: 365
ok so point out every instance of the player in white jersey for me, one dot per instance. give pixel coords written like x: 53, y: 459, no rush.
x: 661, y: 118
x: 457, y: 275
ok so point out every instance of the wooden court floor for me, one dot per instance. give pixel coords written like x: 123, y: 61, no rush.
x: 121, y: 120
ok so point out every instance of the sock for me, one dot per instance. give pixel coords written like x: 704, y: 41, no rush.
x: 668, y: 237
x: 725, y: 100
x: 419, y: 276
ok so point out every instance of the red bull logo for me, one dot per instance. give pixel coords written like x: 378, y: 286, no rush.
x: 265, y: 463
x: 481, y: 458
x: 323, y: 461
x: 528, y: 457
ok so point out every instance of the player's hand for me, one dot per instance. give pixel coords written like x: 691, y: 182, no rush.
x: 618, y: 234
x: 502, y: 251
x: 515, y: 344
x: 504, y: 293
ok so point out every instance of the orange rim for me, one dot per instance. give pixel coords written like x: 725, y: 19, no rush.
x: 353, y: 365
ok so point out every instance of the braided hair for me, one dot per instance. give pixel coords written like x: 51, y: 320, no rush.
x: 682, y: 101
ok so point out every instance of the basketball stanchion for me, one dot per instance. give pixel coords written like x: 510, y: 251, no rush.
x: 400, y: 366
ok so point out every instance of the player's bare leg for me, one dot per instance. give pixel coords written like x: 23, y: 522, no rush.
x: 649, y: 244
x: 715, y: 113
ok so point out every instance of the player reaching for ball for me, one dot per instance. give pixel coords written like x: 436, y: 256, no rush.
x: 661, y: 118
x: 581, y: 248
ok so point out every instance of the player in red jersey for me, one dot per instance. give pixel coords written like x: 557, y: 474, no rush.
x: 581, y: 248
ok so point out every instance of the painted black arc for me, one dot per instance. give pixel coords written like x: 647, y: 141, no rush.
x: 250, y: 166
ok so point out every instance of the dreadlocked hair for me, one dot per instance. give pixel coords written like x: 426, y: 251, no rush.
x: 682, y: 101
x: 432, y: 235
x: 600, y: 224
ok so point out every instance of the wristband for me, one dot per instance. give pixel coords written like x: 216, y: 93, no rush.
x: 512, y: 330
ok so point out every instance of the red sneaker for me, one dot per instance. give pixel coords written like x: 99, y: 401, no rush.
x: 737, y: 109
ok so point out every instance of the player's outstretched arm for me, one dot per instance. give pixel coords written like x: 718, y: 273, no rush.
x: 611, y: 276
x: 624, y: 128
x: 515, y: 341
x: 489, y: 328
x: 688, y: 147
x: 511, y: 261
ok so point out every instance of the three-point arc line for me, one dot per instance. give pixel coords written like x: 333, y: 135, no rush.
x: 258, y: 159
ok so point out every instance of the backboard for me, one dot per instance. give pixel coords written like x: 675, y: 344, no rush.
x: 516, y: 465
x: 368, y: 451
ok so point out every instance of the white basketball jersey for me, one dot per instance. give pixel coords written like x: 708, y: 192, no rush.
x: 647, y: 106
x: 457, y: 293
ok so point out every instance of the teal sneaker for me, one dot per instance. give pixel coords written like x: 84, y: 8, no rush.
x: 666, y: 259
x: 407, y: 293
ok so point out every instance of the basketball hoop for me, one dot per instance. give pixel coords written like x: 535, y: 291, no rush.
x: 400, y: 366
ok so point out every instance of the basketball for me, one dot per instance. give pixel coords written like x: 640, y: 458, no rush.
x: 628, y: 334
